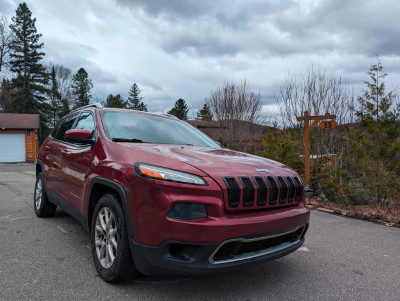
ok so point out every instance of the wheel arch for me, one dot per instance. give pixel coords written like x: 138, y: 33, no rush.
x: 39, y: 167
x: 100, y: 186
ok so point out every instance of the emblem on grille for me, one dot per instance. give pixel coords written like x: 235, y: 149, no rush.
x: 262, y: 170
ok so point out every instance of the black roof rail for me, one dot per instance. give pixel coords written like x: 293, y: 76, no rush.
x: 93, y: 105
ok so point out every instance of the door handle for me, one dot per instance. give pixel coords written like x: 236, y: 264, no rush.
x: 64, y: 152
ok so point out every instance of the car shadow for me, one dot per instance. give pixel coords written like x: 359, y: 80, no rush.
x: 271, y: 275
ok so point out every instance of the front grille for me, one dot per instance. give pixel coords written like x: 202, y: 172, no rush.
x: 257, y: 192
x: 241, y: 247
x: 248, y: 191
x: 233, y: 191
x: 292, y: 189
x: 273, y: 190
x: 299, y: 189
x: 283, y: 190
x: 262, y: 191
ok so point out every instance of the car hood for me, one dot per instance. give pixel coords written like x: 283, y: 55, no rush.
x: 219, y: 162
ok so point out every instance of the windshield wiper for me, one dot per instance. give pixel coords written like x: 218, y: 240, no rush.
x: 126, y: 140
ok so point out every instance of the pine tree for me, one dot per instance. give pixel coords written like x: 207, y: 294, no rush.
x: 204, y: 113
x: 55, y: 96
x: 5, y: 95
x: 375, y: 103
x: 134, y: 99
x: 180, y: 109
x: 115, y: 102
x: 29, y: 85
x: 81, y: 87
x: 64, y: 108
x: 374, y: 144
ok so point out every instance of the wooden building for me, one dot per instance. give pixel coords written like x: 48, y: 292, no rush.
x: 19, y: 140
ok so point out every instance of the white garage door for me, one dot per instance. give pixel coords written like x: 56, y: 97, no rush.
x: 12, y: 147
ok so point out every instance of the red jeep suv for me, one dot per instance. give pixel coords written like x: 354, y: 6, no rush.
x: 160, y: 197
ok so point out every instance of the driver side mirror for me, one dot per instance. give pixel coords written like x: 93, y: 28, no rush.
x: 78, y: 136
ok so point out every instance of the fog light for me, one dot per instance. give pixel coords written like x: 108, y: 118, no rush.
x: 186, y: 211
x: 180, y: 251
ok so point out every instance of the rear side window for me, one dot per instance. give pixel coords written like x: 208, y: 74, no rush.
x: 86, y: 122
x: 65, y: 126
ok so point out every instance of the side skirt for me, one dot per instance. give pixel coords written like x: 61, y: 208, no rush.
x: 56, y: 199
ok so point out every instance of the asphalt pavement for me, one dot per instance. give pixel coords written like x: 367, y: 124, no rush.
x: 50, y: 259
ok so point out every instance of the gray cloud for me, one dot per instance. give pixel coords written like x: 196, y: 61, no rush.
x: 185, y: 48
x: 175, y: 8
x: 217, y: 28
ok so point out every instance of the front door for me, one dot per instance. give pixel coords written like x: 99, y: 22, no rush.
x: 76, y: 161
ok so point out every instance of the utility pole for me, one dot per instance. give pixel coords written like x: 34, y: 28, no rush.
x: 330, y: 124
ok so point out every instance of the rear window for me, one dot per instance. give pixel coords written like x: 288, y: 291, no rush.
x: 152, y: 129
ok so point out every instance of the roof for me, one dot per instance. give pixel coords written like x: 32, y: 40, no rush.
x: 19, y: 121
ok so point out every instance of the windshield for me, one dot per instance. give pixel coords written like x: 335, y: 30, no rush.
x: 130, y: 126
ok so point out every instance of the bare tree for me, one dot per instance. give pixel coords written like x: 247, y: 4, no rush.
x: 319, y: 93
x: 236, y: 108
x: 64, y: 79
x: 5, y: 40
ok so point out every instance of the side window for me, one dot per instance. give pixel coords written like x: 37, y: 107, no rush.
x: 65, y: 126
x: 86, y: 122
x: 54, y: 131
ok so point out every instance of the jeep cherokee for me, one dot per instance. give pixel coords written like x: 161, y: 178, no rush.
x: 160, y: 197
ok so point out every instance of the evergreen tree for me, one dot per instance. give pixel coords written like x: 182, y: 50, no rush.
x: 180, y: 109
x: 115, y: 101
x: 134, y: 99
x: 64, y: 108
x: 204, y: 113
x: 375, y: 103
x: 284, y: 146
x: 5, y: 95
x: 29, y: 85
x: 81, y: 87
x: 55, y: 96
x: 374, y: 144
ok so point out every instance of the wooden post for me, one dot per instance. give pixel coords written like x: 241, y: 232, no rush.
x: 307, y: 148
x: 307, y: 128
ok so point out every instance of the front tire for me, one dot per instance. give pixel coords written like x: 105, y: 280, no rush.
x: 43, y: 207
x: 110, y: 245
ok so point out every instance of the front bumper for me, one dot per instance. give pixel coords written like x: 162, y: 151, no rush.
x: 187, y: 258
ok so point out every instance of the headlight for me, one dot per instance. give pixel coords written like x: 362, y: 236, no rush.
x: 166, y: 174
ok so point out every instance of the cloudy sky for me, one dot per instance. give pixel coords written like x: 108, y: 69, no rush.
x: 185, y: 48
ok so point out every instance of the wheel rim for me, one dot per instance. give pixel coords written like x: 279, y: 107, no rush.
x: 38, y: 194
x: 106, y: 237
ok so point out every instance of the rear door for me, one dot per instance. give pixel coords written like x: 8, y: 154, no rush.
x: 52, y: 154
x: 76, y: 160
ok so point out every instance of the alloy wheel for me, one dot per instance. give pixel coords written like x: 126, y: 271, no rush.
x: 106, y: 240
x: 38, y: 194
